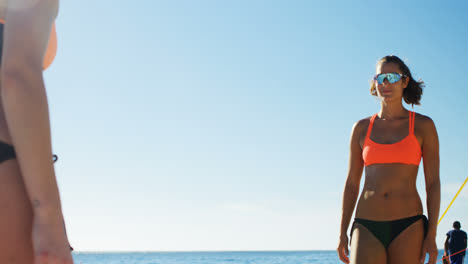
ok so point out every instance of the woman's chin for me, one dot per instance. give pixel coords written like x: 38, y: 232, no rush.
x: 387, y: 98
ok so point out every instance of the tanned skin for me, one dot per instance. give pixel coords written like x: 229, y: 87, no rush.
x: 389, y: 191
x: 25, y: 124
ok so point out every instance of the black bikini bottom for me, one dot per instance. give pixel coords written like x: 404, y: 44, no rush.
x: 7, y: 152
x: 387, y: 231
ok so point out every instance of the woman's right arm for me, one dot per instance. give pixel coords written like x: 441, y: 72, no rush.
x: 351, y: 190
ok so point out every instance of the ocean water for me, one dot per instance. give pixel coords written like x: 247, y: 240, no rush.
x: 236, y: 257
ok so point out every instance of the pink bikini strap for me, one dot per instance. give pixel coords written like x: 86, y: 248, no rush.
x: 369, y: 129
x: 411, y: 122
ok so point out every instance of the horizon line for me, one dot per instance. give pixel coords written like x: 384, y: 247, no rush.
x: 200, y: 251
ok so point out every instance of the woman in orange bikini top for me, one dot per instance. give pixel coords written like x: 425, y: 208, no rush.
x: 406, y: 151
x: 389, y: 226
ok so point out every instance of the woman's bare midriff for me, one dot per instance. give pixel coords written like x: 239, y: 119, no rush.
x: 389, y: 193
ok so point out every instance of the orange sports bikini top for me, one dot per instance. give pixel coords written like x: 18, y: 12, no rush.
x: 406, y: 151
x: 51, y: 48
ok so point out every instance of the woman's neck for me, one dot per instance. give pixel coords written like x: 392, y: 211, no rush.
x: 392, y: 111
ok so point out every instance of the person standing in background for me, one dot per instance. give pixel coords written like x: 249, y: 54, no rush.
x: 456, y: 242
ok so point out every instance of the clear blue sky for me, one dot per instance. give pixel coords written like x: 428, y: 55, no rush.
x: 215, y: 125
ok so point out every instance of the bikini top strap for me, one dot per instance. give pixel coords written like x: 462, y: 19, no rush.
x: 411, y: 122
x: 369, y: 129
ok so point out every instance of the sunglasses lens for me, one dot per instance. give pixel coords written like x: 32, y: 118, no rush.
x: 391, y: 77
x: 380, y: 78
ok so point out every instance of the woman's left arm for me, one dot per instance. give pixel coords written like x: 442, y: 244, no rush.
x: 430, y: 152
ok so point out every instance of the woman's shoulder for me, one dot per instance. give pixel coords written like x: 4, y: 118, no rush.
x: 364, y: 121
x: 420, y: 116
x: 424, y: 125
x: 362, y: 124
x: 423, y: 120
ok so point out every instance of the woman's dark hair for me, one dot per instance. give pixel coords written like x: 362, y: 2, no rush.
x: 412, y: 93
